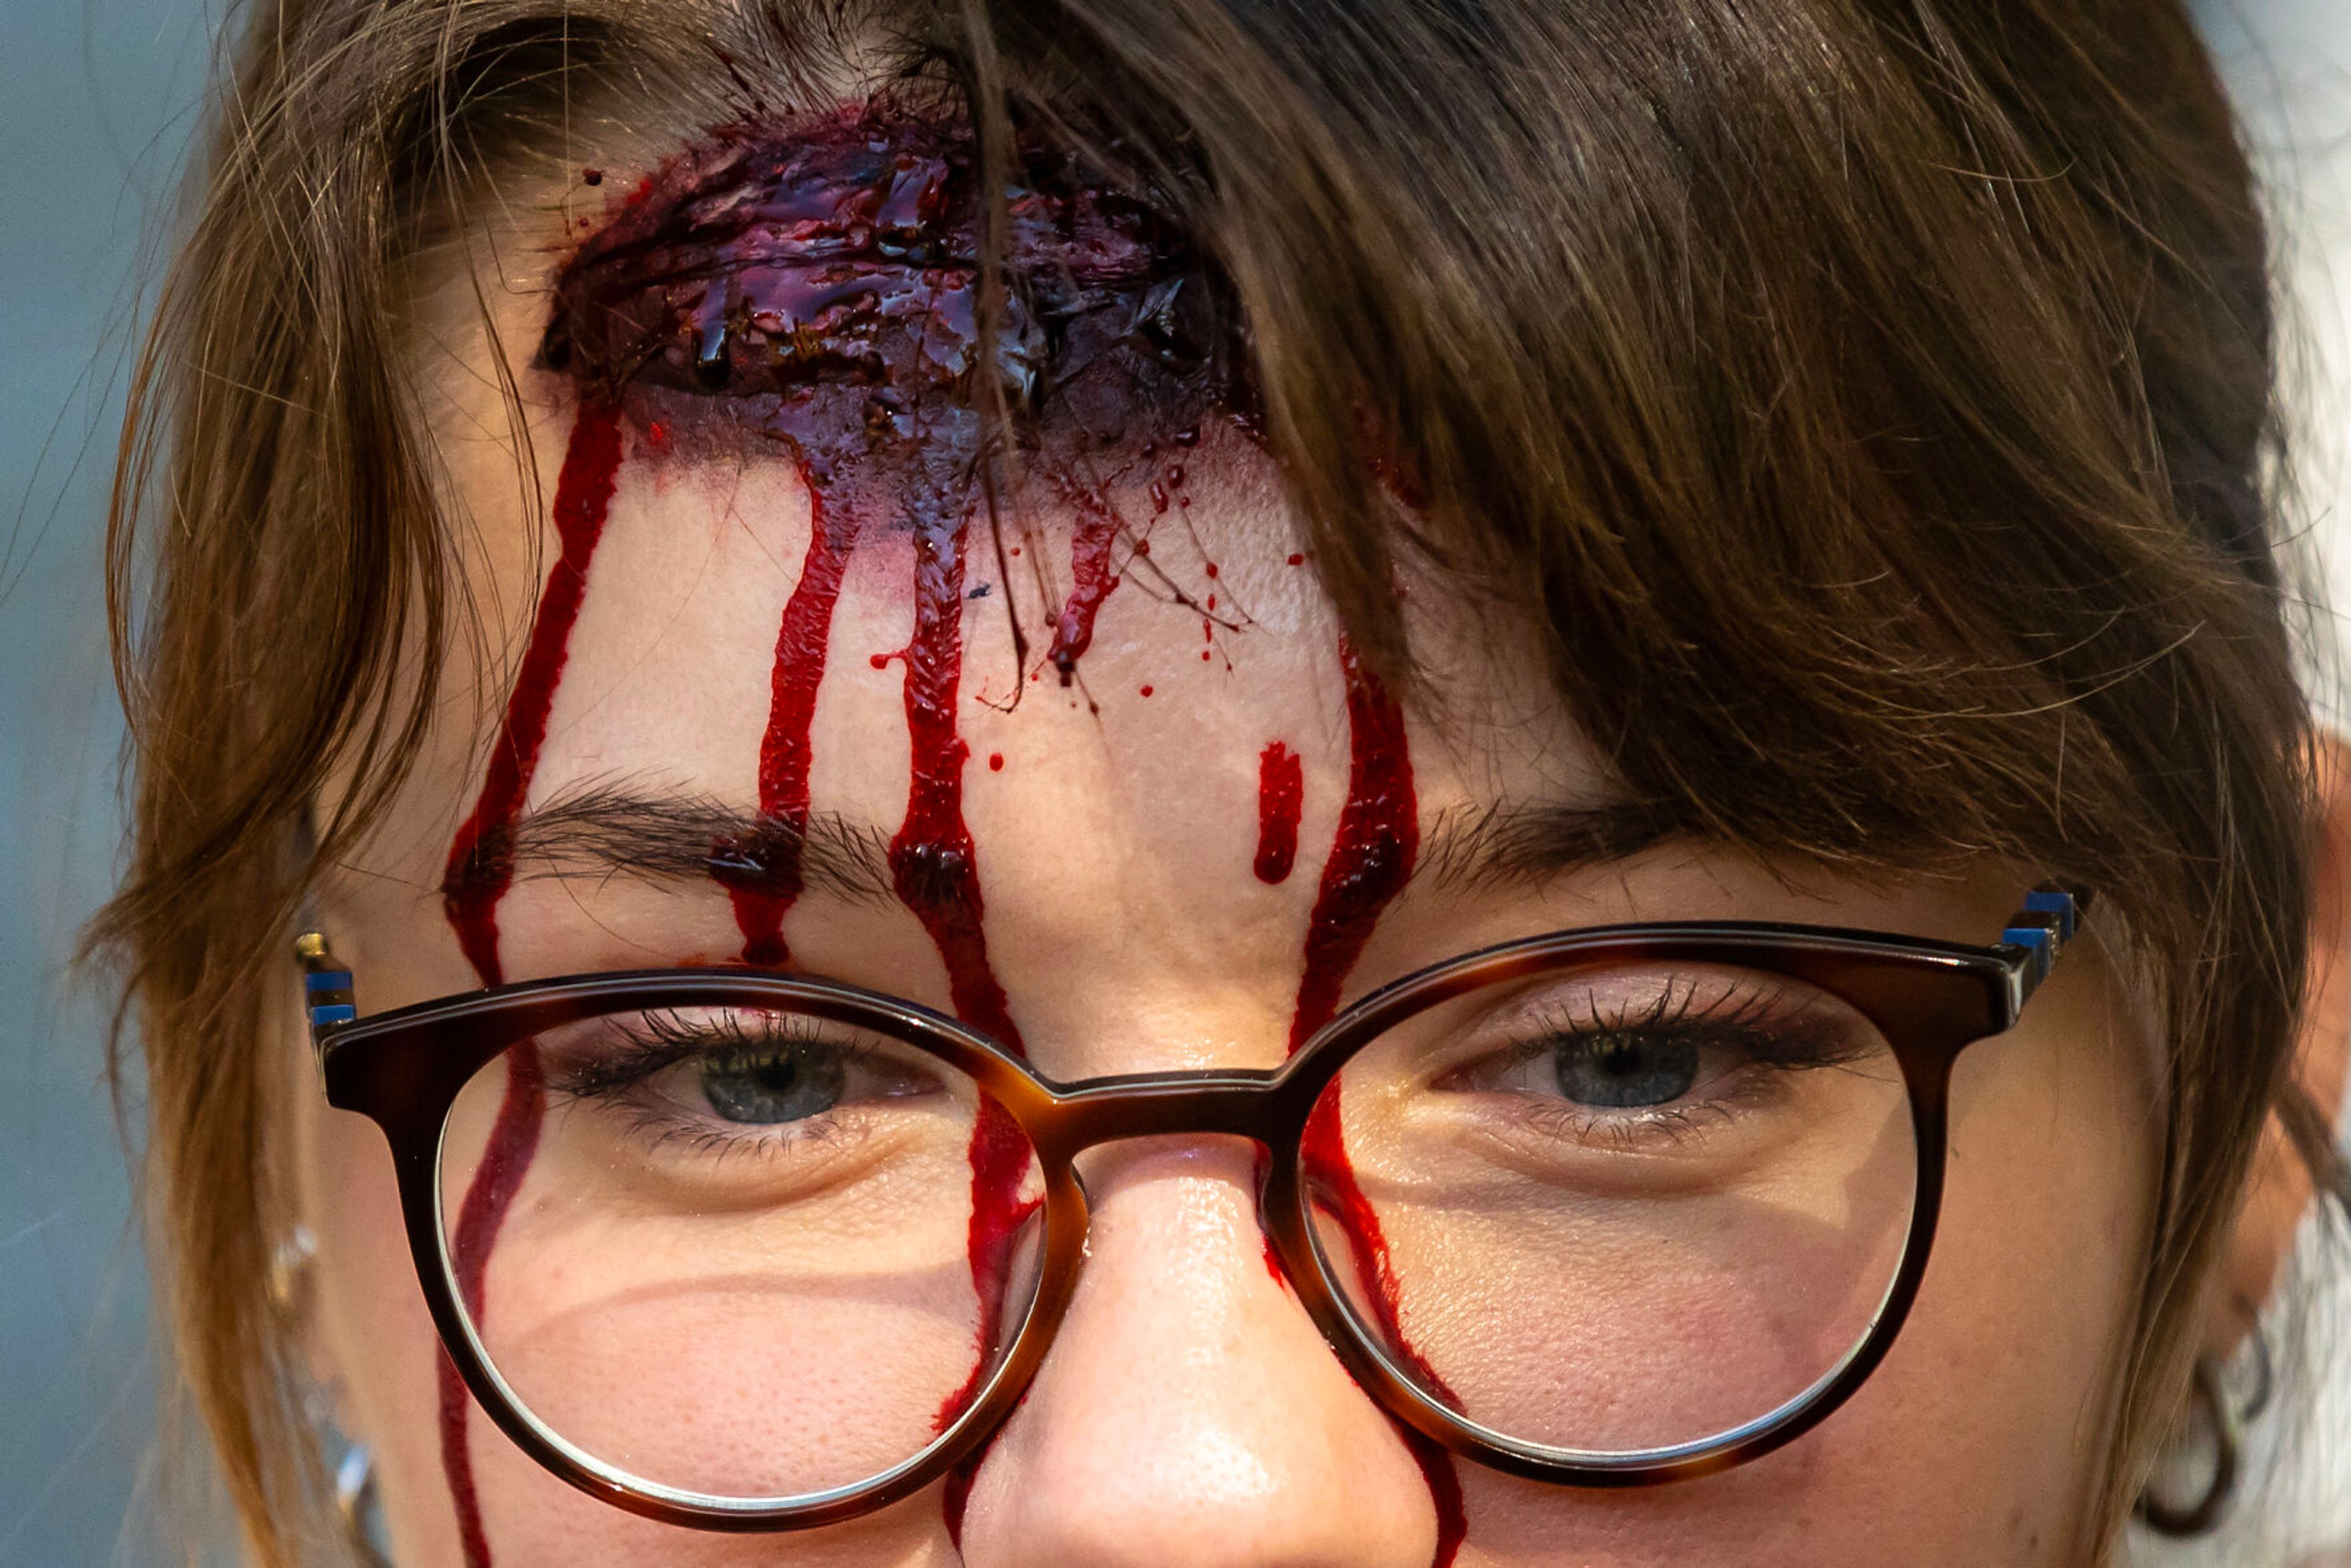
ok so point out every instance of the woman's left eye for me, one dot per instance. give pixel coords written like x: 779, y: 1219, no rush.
x: 1623, y: 1072
x: 769, y: 1088
x: 1629, y: 1069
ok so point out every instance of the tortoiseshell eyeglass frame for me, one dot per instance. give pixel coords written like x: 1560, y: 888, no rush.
x: 1929, y: 1000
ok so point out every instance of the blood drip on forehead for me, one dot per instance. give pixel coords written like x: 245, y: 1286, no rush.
x: 478, y: 871
x: 1371, y: 858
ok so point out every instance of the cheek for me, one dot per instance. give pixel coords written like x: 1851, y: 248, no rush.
x: 377, y: 1340
x: 2004, y: 1384
x: 534, y: 1519
x: 376, y: 1348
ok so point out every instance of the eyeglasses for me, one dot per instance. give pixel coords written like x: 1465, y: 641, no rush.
x: 750, y: 1251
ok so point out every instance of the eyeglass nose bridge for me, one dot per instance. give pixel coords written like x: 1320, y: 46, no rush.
x: 1256, y: 1105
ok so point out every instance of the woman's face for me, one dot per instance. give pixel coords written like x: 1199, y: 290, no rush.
x: 1172, y: 856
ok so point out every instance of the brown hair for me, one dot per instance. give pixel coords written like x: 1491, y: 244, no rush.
x: 1870, y: 404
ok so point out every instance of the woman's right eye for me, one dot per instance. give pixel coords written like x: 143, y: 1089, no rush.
x: 727, y: 1076
x: 786, y: 1086
x: 1640, y: 1061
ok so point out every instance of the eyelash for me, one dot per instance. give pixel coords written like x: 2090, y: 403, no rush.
x: 1729, y: 1023
x: 666, y: 1043
x: 1730, y: 1019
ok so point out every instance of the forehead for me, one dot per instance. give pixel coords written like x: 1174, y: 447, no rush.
x: 802, y: 413
x: 722, y: 628
x: 1162, y: 825
x: 793, y: 327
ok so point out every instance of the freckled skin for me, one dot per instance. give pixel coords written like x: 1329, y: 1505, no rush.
x: 1189, y: 1413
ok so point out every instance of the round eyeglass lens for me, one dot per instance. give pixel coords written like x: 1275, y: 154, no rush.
x: 1618, y: 1209
x: 737, y: 1253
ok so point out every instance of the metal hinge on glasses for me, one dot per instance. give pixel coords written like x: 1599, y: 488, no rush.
x: 326, y: 986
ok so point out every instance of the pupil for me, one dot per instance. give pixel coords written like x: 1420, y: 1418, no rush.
x: 1626, y: 1071
x: 774, y: 1087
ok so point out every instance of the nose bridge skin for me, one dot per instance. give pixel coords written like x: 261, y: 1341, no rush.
x: 1189, y: 1412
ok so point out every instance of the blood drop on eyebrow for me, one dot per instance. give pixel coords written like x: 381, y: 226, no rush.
x: 480, y: 864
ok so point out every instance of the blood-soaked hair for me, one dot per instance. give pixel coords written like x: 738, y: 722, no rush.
x: 1866, y: 409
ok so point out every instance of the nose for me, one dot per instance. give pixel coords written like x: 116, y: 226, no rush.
x: 1189, y: 1412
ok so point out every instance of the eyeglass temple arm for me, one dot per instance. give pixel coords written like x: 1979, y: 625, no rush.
x: 326, y: 988
x: 2040, y: 931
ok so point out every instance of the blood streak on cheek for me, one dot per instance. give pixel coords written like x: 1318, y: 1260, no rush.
x: 479, y: 870
x: 1371, y: 858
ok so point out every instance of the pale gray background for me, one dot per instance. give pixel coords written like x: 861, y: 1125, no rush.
x: 96, y: 99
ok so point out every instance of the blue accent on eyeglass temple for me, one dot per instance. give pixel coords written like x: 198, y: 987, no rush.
x: 2042, y: 927
x: 326, y: 984
x: 2049, y: 901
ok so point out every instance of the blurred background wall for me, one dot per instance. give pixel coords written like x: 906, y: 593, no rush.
x: 97, y: 99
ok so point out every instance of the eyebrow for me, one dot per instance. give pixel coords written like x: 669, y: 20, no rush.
x: 607, y: 830
x: 1523, y: 843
